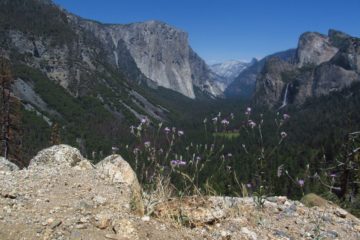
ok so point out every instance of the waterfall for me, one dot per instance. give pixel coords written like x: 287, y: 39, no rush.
x: 116, y: 58
x: 284, y: 103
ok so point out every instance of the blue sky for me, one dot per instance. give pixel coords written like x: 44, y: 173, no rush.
x: 221, y: 30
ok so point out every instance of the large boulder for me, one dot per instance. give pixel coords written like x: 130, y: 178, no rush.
x: 116, y: 170
x: 6, y: 165
x: 60, y: 155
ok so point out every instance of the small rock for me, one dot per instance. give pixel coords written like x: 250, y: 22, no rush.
x: 55, y: 224
x: 99, y: 200
x: 250, y: 234
x: 75, y: 235
x: 103, y: 223
x: 340, y: 213
x: 145, y: 218
x: 80, y: 226
x: 49, y: 221
x: 115, y: 237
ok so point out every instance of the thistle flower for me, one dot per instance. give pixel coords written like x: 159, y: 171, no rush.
x: 248, y: 111
x: 286, y: 116
x: 132, y: 131
x: 248, y: 185
x: 144, y: 120
x: 147, y: 144
x: 177, y: 163
x: 114, y: 149
x: 180, y: 133
x: 251, y: 124
x: 167, y: 130
x: 136, y: 150
x: 225, y: 122
x: 301, y: 182
x: 283, y: 134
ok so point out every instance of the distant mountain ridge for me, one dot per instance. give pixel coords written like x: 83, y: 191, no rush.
x: 229, y: 70
x: 243, y: 85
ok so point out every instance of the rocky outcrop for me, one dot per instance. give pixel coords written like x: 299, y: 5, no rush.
x: 314, y: 49
x: 60, y: 155
x: 244, y: 84
x: 161, y: 52
x: 116, y: 170
x: 324, y: 64
x: 272, y: 82
x: 6, y: 165
x: 57, y: 199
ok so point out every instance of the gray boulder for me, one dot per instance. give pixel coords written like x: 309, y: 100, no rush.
x: 116, y: 170
x: 60, y: 155
x: 6, y: 165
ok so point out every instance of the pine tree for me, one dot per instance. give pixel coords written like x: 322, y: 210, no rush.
x: 10, y: 116
x: 55, y: 135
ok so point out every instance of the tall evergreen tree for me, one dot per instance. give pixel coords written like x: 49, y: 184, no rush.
x: 9, y: 116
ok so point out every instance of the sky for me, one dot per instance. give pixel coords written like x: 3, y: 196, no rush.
x: 221, y: 30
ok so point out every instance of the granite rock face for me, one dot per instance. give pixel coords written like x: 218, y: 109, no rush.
x: 271, y: 82
x: 161, y: 52
x: 314, y: 49
x: 323, y: 64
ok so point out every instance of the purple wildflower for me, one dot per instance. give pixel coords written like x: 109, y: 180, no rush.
x: 132, y: 129
x: 286, y: 116
x: 251, y: 124
x: 225, y: 122
x: 301, y: 182
x: 167, y: 130
x: 248, y: 185
x: 136, y: 150
x: 283, y: 134
x: 147, y: 144
x: 144, y: 120
x: 177, y: 163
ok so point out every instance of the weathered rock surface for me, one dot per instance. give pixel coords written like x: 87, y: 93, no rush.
x: 60, y: 155
x: 314, y: 48
x: 161, y: 52
x: 271, y: 82
x: 57, y: 199
x: 118, y: 171
x: 244, y: 84
x: 6, y: 165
